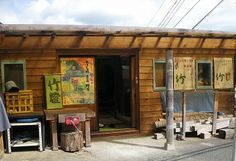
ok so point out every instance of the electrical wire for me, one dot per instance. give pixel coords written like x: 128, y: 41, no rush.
x: 172, y: 11
x: 207, y: 14
x: 167, y: 13
x: 186, y: 13
x: 175, y: 13
x: 157, y: 11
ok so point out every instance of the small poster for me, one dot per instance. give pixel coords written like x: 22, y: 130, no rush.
x: 184, y: 73
x: 223, y: 73
x: 78, y: 80
x: 53, y: 91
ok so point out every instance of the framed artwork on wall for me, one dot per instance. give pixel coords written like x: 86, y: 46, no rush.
x: 53, y: 91
x: 78, y: 80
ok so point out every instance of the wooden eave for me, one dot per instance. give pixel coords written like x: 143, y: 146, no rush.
x: 126, y: 37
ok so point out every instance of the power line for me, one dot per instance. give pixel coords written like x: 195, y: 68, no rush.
x: 177, y: 4
x: 157, y: 11
x: 208, y: 14
x: 175, y: 12
x: 167, y: 13
x: 186, y: 13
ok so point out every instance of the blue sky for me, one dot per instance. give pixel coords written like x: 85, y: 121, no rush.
x: 119, y: 13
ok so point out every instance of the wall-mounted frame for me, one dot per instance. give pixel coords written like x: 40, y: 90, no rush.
x: 159, y: 75
x: 204, y: 73
x: 78, y: 80
x: 14, y: 70
x: 53, y: 91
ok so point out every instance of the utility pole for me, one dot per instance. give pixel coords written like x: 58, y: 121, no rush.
x: 169, y: 145
x: 234, y: 150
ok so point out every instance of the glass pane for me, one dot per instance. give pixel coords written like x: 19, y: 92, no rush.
x: 204, y: 74
x: 14, y: 72
x: 160, y: 76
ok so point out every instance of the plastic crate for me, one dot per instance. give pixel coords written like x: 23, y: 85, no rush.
x: 19, y: 102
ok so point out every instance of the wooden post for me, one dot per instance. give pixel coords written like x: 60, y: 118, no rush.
x: 87, y: 133
x: 53, y: 124
x: 234, y: 150
x: 183, y: 115
x: 215, y: 113
x: 169, y: 145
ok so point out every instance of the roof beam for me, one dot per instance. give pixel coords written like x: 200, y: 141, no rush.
x: 171, y: 42
x: 22, y: 39
x: 107, y: 41
x: 180, y: 42
x: 200, y: 43
x: 141, y: 42
x: 52, y: 37
x: 157, y: 42
x: 132, y: 41
x: 221, y: 44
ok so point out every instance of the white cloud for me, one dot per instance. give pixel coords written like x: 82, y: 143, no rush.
x: 121, y: 13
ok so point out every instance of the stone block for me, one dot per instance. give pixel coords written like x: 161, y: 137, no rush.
x: 159, y: 136
x: 232, y: 123
x: 226, y: 133
x: 205, y: 135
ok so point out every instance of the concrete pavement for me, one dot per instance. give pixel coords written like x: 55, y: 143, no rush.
x: 126, y: 148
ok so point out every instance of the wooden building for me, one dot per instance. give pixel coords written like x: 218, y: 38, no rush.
x: 126, y: 85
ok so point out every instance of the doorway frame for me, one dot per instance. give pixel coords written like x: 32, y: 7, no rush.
x: 109, y: 52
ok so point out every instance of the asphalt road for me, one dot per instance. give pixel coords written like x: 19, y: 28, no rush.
x: 221, y: 153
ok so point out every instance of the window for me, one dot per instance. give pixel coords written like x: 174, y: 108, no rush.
x: 15, y: 71
x: 159, y: 74
x: 204, y: 74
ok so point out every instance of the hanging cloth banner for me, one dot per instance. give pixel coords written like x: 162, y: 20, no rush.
x: 184, y: 73
x: 223, y: 73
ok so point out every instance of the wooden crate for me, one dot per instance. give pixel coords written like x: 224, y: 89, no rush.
x: 19, y: 102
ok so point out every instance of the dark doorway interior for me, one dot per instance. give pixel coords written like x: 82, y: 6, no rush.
x: 113, y: 92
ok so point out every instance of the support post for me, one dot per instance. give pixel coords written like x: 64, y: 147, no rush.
x: 215, y: 113
x: 234, y: 150
x: 53, y: 126
x: 87, y: 133
x: 183, y: 115
x: 169, y: 145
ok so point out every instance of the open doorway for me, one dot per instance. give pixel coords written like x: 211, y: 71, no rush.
x: 113, y: 77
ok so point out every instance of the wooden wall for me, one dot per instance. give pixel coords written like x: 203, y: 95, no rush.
x: 40, y: 54
x: 150, y: 101
x: 38, y: 63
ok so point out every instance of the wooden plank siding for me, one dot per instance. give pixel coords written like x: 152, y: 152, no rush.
x: 41, y: 54
x: 37, y: 64
x: 150, y: 100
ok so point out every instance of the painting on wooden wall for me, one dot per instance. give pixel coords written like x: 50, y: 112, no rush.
x: 184, y: 73
x: 223, y: 73
x: 78, y: 80
x: 53, y: 91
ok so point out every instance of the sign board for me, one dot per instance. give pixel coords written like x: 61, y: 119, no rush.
x: 78, y: 80
x: 223, y: 73
x: 53, y: 91
x: 184, y: 73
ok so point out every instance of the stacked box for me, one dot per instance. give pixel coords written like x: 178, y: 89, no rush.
x: 19, y: 102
